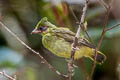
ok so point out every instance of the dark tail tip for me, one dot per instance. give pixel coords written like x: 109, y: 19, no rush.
x: 100, y: 58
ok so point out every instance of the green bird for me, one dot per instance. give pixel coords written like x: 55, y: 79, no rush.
x: 58, y: 40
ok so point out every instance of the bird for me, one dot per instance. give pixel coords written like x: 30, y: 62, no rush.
x: 59, y: 41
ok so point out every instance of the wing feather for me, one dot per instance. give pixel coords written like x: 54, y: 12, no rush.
x: 69, y: 36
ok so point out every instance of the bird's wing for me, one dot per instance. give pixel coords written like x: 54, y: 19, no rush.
x: 85, y: 42
x: 65, y: 33
x: 69, y: 36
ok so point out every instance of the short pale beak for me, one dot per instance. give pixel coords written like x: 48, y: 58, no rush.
x: 35, y: 31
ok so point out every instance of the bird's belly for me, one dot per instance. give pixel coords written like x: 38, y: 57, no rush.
x: 60, y: 47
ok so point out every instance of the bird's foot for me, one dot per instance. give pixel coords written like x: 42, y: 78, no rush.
x: 74, y: 48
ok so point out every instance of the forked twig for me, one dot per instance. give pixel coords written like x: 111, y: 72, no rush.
x: 107, y: 7
x: 37, y: 53
x: 103, y: 4
x: 81, y: 22
x: 75, y: 17
x: 7, y: 76
x: 71, y: 62
x: 101, y: 38
x: 75, y: 42
x: 112, y: 27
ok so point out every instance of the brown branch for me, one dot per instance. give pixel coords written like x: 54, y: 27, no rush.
x: 108, y: 7
x: 103, y: 4
x: 81, y: 22
x: 37, y: 53
x: 75, y: 17
x: 101, y: 38
x: 7, y: 76
x: 112, y: 27
x: 75, y: 42
x: 84, y: 12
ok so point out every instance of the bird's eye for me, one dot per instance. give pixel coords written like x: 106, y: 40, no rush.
x: 42, y: 28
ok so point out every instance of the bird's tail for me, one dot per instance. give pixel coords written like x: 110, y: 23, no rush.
x: 100, y: 57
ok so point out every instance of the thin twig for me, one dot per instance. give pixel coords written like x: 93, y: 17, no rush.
x: 81, y: 22
x: 112, y: 27
x: 103, y: 4
x: 75, y: 17
x: 75, y: 42
x: 83, y: 19
x: 108, y: 7
x: 101, y: 39
x: 7, y: 76
x: 37, y: 53
x: 84, y: 12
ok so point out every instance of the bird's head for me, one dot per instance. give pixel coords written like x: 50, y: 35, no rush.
x: 42, y: 26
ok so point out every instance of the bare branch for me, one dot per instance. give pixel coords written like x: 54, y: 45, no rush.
x: 103, y: 4
x: 101, y: 38
x: 81, y: 22
x: 71, y: 62
x: 75, y: 17
x: 108, y: 8
x: 112, y: 27
x: 84, y: 12
x: 37, y: 53
x: 7, y: 76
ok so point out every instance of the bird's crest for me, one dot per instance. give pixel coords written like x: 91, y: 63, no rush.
x: 44, y: 19
x: 42, y: 22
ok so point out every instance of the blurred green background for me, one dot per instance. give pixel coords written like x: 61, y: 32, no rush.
x: 21, y: 16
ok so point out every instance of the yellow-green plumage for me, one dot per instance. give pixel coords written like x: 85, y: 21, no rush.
x: 59, y: 41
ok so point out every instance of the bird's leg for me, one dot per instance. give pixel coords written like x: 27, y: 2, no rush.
x: 73, y: 47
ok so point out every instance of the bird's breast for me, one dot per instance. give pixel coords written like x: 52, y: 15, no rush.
x: 57, y: 45
x: 47, y: 40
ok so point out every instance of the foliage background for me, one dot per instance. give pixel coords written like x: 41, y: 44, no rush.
x: 21, y: 16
